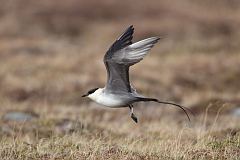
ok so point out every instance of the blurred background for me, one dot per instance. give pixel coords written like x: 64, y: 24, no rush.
x: 51, y: 53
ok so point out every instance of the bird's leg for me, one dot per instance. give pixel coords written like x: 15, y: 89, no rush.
x: 132, y: 114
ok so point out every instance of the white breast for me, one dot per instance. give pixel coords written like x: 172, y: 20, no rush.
x: 108, y: 100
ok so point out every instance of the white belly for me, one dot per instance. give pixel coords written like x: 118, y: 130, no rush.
x: 111, y: 102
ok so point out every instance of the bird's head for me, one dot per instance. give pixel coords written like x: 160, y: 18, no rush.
x: 91, y: 91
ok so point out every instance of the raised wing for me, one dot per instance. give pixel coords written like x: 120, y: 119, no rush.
x: 120, y: 56
x: 134, y: 53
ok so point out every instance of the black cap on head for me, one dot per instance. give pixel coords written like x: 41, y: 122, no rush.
x: 90, y: 92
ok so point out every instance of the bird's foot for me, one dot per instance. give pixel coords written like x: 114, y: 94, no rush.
x: 134, y: 118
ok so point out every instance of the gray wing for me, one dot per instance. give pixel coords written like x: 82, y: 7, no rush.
x: 120, y: 56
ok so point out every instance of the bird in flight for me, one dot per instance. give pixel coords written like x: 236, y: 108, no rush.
x: 118, y: 91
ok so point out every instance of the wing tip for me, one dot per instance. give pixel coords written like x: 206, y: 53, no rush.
x: 129, y: 30
x: 156, y: 39
x: 128, y: 33
x: 131, y: 27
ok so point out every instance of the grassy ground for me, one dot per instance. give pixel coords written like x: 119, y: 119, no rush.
x: 51, y: 53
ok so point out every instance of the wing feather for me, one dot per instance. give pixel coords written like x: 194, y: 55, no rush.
x: 120, y: 56
x: 135, y: 52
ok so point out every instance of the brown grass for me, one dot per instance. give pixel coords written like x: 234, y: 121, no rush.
x: 51, y: 53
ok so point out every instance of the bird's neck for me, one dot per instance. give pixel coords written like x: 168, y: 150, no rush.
x: 97, y: 94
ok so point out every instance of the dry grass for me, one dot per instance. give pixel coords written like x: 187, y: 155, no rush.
x: 45, y: 49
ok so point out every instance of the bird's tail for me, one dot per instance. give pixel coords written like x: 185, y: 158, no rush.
x: 163, y: 102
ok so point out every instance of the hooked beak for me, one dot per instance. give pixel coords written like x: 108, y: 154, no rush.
x: 85, y: 95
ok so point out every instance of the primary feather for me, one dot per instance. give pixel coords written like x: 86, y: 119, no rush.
x: 135, y: 52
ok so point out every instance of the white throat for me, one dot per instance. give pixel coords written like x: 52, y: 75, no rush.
x: 96, y: 95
